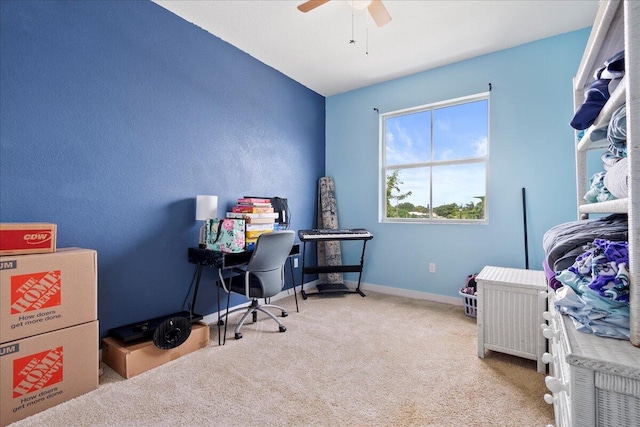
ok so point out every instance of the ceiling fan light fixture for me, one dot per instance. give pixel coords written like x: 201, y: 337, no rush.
x: 378, y: 12
x: 359, y: 4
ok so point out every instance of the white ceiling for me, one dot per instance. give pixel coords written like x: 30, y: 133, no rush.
x: 313, y: 48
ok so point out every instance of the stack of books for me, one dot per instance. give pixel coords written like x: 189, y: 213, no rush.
x: 259, y: 217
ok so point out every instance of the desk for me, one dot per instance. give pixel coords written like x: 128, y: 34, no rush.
x: 225, y: 261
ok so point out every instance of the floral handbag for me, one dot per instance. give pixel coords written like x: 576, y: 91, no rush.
x: 225, y: 235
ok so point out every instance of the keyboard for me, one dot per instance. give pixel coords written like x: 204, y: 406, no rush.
x: 339, y: 234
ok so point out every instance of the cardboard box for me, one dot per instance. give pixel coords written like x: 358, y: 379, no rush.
x: 43, y: 292
x: 130, y: 360
x: 42, y: 371
x: 27, y: 238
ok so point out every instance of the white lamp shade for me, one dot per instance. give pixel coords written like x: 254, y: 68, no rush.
x: 206, y: 207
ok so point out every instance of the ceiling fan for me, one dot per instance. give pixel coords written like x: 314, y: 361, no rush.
x: 377, y: 10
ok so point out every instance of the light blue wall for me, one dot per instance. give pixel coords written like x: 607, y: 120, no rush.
x: 531, y: 146
x: 114, y: 115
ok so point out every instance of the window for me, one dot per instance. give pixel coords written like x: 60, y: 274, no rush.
x: 434, y: 162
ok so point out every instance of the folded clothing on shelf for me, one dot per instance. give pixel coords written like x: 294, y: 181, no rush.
x: 617, y: 132
x: 607, y: 79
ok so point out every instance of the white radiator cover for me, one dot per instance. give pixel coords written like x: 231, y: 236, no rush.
x: 511, y: 302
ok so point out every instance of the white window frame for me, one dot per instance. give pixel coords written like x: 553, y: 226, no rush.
x: 382, y: 207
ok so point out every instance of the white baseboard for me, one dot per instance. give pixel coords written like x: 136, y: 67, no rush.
x: 407, y: 293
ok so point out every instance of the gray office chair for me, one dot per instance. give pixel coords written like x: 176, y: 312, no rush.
x: 262, y: 277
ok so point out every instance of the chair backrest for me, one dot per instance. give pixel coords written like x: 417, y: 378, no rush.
x: 267, y: 261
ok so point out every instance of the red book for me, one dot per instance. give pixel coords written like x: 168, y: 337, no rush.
x: 250, y: 200
x: 252, y: 209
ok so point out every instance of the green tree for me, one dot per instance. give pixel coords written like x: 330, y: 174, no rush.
x: 394, y: 193
x: 475, y: 211
x: 450, y: 211
x: 454, y: 211
x: 407, y: 206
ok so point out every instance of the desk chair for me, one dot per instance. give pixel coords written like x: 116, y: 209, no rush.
x: 262, y: 276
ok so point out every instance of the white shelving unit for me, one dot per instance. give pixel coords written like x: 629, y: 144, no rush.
x: 617, y: 28
x: 595, y: 381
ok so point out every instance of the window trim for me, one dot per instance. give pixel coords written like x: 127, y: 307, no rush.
x: 384, y: 168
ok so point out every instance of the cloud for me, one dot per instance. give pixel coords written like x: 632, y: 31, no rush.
x: 446, y: 154
x: 458, y: 184
x: 443, y: 125
x: 403, y: 136
x: 399, y: 146
x: 390, y: 138
x: 480, y: 146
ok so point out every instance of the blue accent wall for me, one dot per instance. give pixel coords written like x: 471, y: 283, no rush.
x: 531, y: 146
x: 115, y: 115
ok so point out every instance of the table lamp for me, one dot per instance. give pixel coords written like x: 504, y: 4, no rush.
x: 206, y: 208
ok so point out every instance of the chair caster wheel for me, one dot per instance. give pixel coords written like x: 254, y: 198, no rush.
x: 284, y: 313
x: 238, y: 335
x: 283, y: 328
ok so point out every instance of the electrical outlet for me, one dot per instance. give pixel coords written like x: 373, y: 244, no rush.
x: 295, y: 262
x: 432, y: 267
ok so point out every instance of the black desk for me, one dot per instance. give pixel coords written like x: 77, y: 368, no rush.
x: 226, y: 261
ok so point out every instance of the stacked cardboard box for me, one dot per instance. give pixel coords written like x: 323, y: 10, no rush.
x: 135, y: 358
x: 259, y: 218
x: 48, y: 328
x: 27, y: 238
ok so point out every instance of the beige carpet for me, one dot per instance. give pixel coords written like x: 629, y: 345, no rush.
x: 343, y: 361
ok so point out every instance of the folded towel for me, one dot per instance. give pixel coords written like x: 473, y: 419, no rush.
x: 617, y: 132
x: 597, y: 191
x: 609, y: 159
x: 616, y: 180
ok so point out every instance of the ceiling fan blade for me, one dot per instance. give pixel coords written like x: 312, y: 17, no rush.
x: 310, y: 5
x: 379, y: 13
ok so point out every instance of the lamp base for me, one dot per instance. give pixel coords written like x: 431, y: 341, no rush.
x: 202, y: 241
